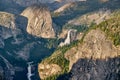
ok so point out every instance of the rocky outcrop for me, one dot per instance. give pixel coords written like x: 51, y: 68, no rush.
x: 77, y: 35
x: 66, y: 4
x: 94, y: 17
x: 63, y: 34
x: 96, y: 46
x: 64, y: 7
x: 89, y: 59
x: 12, y: 21
x: 46, y: 70
x: 39, y: 21
x: 11, y: 25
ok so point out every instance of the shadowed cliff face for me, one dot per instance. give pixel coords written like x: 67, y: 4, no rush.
x: 99, y: 69
x: 11, y: 25
x: 39, y: 21
x: 89, y: 69
x: 12, y: 30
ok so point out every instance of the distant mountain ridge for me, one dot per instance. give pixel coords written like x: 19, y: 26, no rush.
x: 16, y: 6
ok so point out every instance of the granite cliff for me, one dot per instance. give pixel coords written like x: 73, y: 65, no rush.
x: 39, y: 21
x: 90, y: 57
x: 11, y: 26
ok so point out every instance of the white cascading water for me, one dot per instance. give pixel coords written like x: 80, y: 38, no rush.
x: 71, y: 36
x: 67, y: 41
x: 29, y: 74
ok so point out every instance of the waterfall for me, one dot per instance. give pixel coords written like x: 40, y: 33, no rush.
x: 29, y: 74
x: 67, y: 41
x: 71, y: 36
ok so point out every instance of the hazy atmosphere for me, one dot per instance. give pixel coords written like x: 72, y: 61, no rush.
x: 59, y: 39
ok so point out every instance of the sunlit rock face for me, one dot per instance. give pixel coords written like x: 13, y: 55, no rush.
x: 96, y: 46
x: 46, y: 70
x: 39, y: 21
x: 95, y: 17
x: 12, y: 21
x: 66, y: 6
x: 96, y: 59
x: 11, y: 25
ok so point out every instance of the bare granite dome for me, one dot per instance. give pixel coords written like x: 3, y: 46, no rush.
x: 39, y: 21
